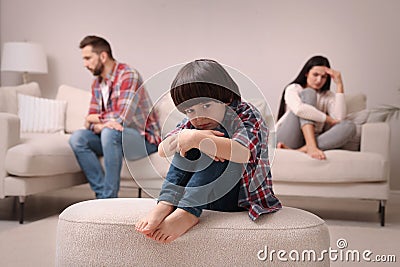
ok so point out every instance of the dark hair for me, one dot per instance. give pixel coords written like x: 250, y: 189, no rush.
x: 203, y: 78
x: 98, y: 45
x: 302, y: 79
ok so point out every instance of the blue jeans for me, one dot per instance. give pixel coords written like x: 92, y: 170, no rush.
x: 88, y: 146
x: 197, y: 182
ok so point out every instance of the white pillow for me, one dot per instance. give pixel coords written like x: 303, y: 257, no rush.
x: 41, y: 115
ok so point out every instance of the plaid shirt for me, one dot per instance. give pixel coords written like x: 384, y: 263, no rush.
x: 245, y: 125
x: 128, y: 102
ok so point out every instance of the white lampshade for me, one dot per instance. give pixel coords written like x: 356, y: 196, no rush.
x: 23, y: 57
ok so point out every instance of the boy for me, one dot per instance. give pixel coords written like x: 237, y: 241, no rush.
x: 221, y: 156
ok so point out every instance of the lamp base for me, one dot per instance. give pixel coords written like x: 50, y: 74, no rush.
x: 25, y: 77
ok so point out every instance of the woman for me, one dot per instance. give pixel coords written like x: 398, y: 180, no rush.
x: 311, y: 116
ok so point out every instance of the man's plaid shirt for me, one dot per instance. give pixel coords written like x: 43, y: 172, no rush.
x: 128, y: 104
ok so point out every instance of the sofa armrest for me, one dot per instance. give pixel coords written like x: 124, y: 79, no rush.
x: 375, y: 137
x: 9, y: 137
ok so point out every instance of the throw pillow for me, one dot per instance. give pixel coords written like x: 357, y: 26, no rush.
x: 377, y: 116
x: 41, y: 115
x: 359, y: 118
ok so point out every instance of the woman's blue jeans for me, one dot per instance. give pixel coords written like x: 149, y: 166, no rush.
x: 196, y: 182
x: 88, y: 147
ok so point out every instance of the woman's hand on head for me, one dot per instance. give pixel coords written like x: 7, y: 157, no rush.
x: 335, y: 75
x: 337, y: 79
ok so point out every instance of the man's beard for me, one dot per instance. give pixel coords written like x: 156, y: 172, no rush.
x: 98, y: 69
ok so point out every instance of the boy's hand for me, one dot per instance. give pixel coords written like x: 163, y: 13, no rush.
x: 173, y: 143
x: 214, y: 133
x: 186, y: 141
x: 189, y: 138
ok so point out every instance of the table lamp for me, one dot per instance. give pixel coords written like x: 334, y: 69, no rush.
x: 23, y: 57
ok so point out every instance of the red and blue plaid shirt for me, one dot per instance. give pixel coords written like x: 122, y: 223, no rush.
x: 246, y: 126
x: 128, y: 104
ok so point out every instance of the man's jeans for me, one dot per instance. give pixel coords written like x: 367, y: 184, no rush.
x: 88, y: 146
x: 197, y: 182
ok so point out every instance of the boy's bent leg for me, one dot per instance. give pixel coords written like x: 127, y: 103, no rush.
x: 215, y: 181
x: 111, y: 141
x: 87, y: 147
x: 171, y: 192
x: 179, y: 174
x: 210, y: 185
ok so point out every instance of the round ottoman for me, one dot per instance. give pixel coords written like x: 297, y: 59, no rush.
x: 101, y: 233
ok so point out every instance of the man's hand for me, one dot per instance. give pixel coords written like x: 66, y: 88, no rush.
x: 97, y: 128
x: 93, y: 118
x: 114, y: 125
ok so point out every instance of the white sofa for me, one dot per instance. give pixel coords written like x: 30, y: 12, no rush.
x: 34, y: 163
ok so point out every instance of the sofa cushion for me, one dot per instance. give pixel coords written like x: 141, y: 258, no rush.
x: 8, y: 95
x: 355, y: 102
x: 340, y: 166
x: 41, y: 155
x: 41, y: 115
x: 78, y: 102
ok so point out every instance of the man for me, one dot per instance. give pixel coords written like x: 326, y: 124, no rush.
x: 120, y: 106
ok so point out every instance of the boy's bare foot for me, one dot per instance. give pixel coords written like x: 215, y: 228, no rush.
x: 154, y: 218
x: 175, y: 225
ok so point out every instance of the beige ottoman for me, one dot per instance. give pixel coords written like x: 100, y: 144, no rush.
x: 101, y: 233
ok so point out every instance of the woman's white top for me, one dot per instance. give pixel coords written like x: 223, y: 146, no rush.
x: 328, y: 102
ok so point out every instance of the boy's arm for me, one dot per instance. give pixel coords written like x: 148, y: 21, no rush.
x: 213, y: 144
x: 168, y: 146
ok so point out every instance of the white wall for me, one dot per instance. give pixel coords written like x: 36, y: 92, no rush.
x: 269, y: 41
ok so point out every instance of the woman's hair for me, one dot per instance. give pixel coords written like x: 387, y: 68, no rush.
x: 98, y: 45
x: 203, y: 78
x: 302, y: 79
